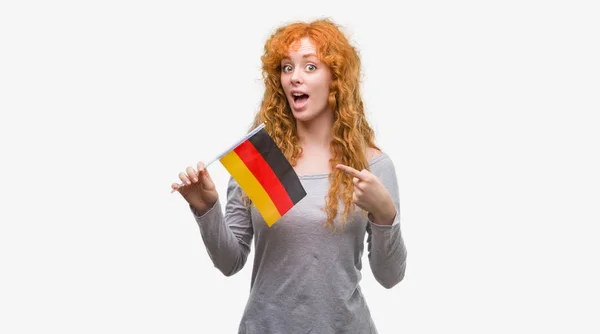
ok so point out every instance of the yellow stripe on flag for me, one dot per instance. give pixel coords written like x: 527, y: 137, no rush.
x: 240, y: 172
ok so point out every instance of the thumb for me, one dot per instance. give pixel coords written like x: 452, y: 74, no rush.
x: 206, y: 180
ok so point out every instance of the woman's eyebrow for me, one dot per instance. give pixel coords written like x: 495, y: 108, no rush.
x: 308, y: 55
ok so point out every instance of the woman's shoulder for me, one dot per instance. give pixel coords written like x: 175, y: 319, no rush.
x: 373, y: 153
x: 379, y: 160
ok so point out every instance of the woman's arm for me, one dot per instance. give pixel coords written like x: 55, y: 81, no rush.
x: 385, y: 245
x: 227, y: 237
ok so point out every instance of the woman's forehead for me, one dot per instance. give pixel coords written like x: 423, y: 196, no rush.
x: 303, y: 46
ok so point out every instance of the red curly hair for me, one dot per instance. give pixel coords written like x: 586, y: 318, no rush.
x: 352, y: 134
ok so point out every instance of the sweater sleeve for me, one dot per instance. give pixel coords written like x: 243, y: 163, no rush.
x: 385, y: 245
x: 227, y: 237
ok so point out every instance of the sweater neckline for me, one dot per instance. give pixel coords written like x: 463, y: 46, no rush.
x: 326, y: 175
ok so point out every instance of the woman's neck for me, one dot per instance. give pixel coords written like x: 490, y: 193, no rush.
x: 316, y: 133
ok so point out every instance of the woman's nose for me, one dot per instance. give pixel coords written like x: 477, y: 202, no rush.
x: 296, y: 77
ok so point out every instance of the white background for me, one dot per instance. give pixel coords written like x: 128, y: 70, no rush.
x: 488, y: 109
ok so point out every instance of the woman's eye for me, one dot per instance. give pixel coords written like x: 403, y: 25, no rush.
x: 311, y: 67
x: 286, y: 68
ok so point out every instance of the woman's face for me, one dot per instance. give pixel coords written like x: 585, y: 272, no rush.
x: 305, y: 80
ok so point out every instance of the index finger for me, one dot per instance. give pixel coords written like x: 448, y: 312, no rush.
x: 350, y: 170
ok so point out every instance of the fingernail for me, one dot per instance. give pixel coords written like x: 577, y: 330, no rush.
x: 195, y: 179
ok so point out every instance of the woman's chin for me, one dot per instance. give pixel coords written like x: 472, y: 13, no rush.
x: 309, y: 115
x: 303, y: 116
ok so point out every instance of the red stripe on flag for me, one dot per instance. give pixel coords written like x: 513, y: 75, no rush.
x: 265, y: 176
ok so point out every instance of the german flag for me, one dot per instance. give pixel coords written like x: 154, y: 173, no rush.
x: 265, y: 175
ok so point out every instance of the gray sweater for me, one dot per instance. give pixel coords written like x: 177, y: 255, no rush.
x: 305, y: 278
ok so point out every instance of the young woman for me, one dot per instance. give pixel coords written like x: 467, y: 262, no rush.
x: 306, y: 271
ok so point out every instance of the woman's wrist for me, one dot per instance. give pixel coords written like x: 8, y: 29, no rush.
x: 384, y: 216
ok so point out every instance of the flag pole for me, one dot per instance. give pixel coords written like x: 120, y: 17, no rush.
x: 250, y: 134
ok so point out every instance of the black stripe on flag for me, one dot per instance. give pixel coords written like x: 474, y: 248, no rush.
x: 282, y: 168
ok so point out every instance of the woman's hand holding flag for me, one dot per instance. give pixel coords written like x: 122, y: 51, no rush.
x: 198, y: 188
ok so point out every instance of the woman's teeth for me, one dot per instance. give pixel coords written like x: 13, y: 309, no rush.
x: 299, y: 96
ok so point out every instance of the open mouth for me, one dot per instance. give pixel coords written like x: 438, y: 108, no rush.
x: 300, y: 98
